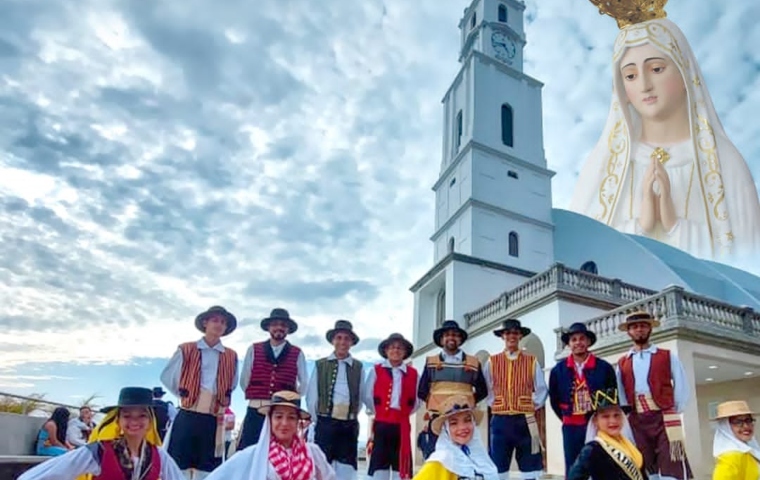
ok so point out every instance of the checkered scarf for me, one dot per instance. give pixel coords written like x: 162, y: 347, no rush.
x: 296, y: 465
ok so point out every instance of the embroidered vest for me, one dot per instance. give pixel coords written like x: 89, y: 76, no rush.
x: 270, y: 374
x: 190, y: 378
x: 448, y: 379
x: 327, y: 374
x: 384, y: 389
x: 660, y: 379
x: 513, y: 383
x: 110, y: 469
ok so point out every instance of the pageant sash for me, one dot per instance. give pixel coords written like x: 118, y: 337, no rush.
x: 622, y: 460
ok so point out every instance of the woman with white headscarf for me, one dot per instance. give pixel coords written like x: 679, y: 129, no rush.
x: 736, y: 451
x: 664, y: 167
x: 281, y: 453
x: 610, y: 452
x: 459, y: 454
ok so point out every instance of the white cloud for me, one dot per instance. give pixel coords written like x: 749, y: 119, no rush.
x: 159, y: 158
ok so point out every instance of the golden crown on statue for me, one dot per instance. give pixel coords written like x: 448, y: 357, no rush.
x: 629, y: 12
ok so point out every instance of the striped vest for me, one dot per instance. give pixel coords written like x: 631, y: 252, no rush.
x: 190, y: 377
x: 447, y: 379
x: 269, y: 374
x: 513, y: 383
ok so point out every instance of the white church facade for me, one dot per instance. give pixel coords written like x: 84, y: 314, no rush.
x: 501, y: 250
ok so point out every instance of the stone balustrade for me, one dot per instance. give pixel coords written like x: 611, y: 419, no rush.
x: 677, y: 309
x: 557, y: 278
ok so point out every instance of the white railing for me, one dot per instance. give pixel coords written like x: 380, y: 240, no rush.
x: 557, y: 278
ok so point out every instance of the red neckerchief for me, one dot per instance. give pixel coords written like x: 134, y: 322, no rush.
x: 296, y: 465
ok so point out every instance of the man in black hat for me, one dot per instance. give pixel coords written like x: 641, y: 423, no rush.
x: 451, y: 371
x: 334, y: 398
x: 202, y: 375
x: 516, y: 391
x: 161, y: 409
x: 270, y: 366
x: 572, y: 381
x: 391, y: 398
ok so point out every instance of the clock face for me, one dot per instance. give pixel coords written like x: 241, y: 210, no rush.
x: 504, y: 47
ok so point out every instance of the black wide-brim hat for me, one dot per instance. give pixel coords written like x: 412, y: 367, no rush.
x: 512, y: 324
x: 132, y: 397
x: 342, y: 326
x: 606, y: 398
x: 396, y: 337
x: 279, y: 314
x: 578, y: 328
x: 158, y: 391
x: 448, y: 325
x: 217, y: 310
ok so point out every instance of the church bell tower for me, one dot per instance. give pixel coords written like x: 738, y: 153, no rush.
x: 493, y: 224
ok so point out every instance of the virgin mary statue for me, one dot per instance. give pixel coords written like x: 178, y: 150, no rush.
x: 664, y: 167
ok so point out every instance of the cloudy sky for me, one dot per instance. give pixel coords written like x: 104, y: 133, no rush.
x: 157, y: 158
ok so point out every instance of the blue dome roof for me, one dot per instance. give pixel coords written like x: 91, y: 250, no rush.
x: 646, y: 262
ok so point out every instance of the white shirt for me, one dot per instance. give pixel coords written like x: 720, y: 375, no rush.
x: 245, y: 373
x: 209, y: 368
x: 341, y: 394
x: 397, y: 373
x: 81, y: 461
x: 642, y: 360
x: 540, y: 389
x: 239, y: 466
x: 75, y: 432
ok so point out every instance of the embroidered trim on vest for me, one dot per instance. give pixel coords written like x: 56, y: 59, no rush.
x: 622, y: 460
x: 659, y: 379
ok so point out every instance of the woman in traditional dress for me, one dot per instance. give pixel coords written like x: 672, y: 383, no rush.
x: 281, y: 453
x: 736, y: 451
x: 51, y: 439
x: 664, y: 167
x: 124, y: 446
x: 610, y: 452
x: 459, y: 453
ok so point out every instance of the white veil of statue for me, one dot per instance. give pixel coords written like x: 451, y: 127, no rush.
x: 714, y: 196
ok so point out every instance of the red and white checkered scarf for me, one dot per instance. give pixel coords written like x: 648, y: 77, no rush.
x: 296, y: 465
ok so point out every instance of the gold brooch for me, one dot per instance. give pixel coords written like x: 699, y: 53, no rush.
x: 660, y: 155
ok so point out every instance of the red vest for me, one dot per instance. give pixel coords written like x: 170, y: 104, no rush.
x: 111, y: 470
x: 660, y: 379
x: 270, y: 375
x: 383, y: 391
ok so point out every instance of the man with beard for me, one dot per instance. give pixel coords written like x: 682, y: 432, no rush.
x: 572, y: 382
x: 202, y: 375
x: 391, y: 396
x: 450, y: 372
x: 654, y: 383
x: 270, y: 366
x: 516, y: 390
x: 334, y: 399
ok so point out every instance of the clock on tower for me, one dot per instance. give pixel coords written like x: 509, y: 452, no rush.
x: 494, y: 28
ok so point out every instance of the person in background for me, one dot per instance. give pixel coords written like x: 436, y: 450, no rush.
x: 229, y: 426
x: 735, y: 448
x: 124, y: 446
x: 161, y: 409
x: 51, y: 439
x: 79, y: 429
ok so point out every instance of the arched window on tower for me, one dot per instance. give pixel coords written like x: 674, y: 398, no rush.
x: 514, y: 247
x: 503, y: 13
x: 440, y: 307
x: 507, y: 125
x: 459, y: 130
x: 451, y: 245
x: 590, y: 267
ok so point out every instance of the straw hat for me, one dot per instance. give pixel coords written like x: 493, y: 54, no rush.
x: 453, y: 405
x: 638, y: 316
x: 285, y: 398
x: 733, y: 408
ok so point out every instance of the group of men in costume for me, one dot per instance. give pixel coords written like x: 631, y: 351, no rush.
x: 204, y: 373
x: 651, y: 383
